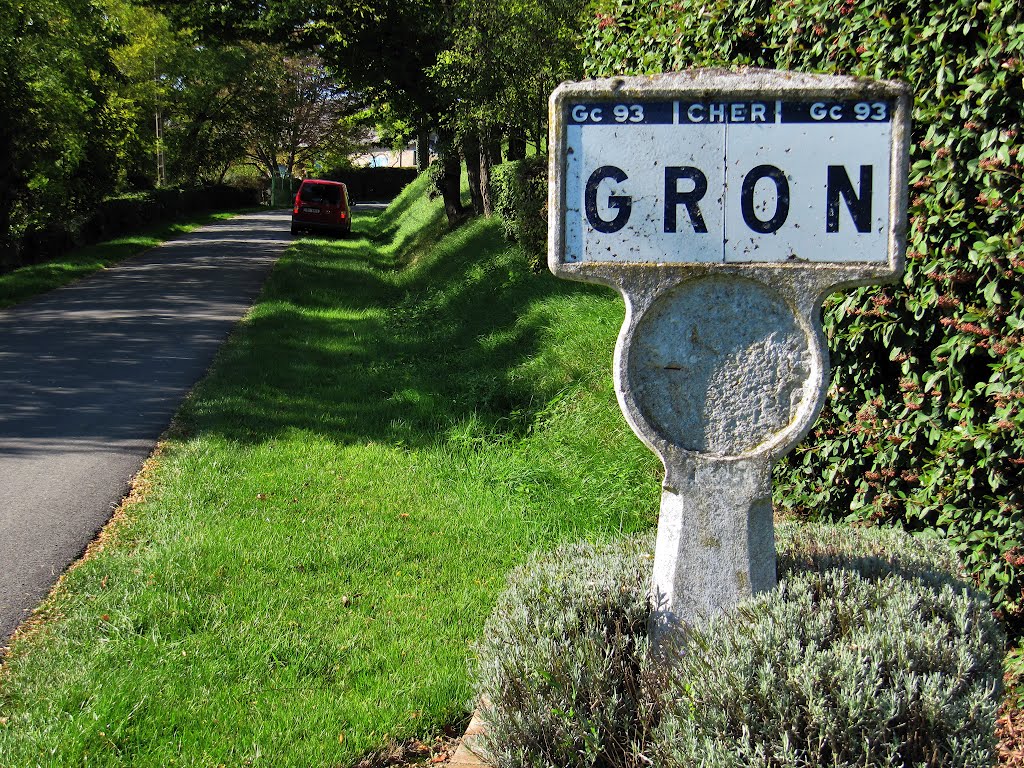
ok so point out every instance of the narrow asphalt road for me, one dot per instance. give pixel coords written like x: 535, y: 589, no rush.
x: 90, y: 376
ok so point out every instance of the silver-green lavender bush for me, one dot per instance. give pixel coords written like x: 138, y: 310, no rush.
x: 562, y: 663
x: 872, y: 652
x: 835, y: 669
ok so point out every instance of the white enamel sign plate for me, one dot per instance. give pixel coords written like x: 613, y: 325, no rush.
x: 728, y: 181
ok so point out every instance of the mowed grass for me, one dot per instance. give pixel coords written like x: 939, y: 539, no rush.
x: 25, y: 282
x: 401, y: 419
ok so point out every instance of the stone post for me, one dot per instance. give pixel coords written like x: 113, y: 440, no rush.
x: 724, y: 206
x: 716, y: 542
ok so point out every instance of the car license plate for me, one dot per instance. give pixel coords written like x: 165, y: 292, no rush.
x: 311, y: 210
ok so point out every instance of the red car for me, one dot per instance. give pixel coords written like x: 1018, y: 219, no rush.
x: 322, y: 206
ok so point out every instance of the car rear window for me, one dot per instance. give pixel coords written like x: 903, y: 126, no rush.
x: 325, y: 194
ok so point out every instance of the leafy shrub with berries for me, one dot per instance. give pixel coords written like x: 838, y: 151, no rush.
x: 924, y: 424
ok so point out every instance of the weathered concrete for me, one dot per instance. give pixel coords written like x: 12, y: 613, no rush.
x: 721, y: 365
x: 756, y: 366
x: 719, y: 362
x: 716, y: 541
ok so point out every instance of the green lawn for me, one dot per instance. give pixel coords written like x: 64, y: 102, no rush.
x: 402, y: 418
x: 26, y: 282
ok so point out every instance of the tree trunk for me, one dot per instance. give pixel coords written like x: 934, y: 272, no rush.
x: 474, y: 160
x: 516, y: 144
x: 488, y: 150
x: 422, y: 149
x: 494, y: 147
x: 11, y: 180
x: 541, y: 114
x: 449, y: 179
x: 8, y: 244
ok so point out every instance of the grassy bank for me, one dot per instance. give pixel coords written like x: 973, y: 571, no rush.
x: 400, y: 420
x: 26, y: 282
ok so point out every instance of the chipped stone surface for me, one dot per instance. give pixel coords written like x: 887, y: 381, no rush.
x: 466, y: 755
x: 721, y: 363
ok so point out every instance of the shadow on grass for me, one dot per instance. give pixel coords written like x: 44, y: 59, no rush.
x: 381, y: 338
x: 398, y: 208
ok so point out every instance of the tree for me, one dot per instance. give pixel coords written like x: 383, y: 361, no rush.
x: 386, y: 53
x: 302, y: 115
x: 218, y: 103
x: 57, y: 133
x: 381, y: 48
x: 199, y: 95
x: 210, y: 94
x: 503, y: 58
x: 471, y: 69
x: 148, y: 43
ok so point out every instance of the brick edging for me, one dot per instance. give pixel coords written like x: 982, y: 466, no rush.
x: 464, y: 756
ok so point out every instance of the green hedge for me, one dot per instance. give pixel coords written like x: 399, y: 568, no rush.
x: 373, y: 184
x: 520, y: 199
x: 924, y: 425
x: 123, y: 214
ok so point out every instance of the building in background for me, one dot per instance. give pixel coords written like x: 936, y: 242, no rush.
x: 377, y: 156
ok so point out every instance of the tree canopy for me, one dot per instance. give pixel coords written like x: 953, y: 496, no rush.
x: 472, y: 70
x: 95, y: 89
x: 99, y: 94
x: 59, y: 126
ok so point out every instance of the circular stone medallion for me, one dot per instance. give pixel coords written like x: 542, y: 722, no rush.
x: 719, y: 365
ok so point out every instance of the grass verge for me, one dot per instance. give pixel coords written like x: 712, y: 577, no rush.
x: 400, y: 420
x: 25, y: 282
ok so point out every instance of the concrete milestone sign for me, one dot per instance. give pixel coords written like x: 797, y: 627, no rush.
x: 728, y: 180
x: 724, y: 206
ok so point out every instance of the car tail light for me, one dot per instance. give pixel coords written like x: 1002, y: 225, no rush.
x: 344, y: 215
